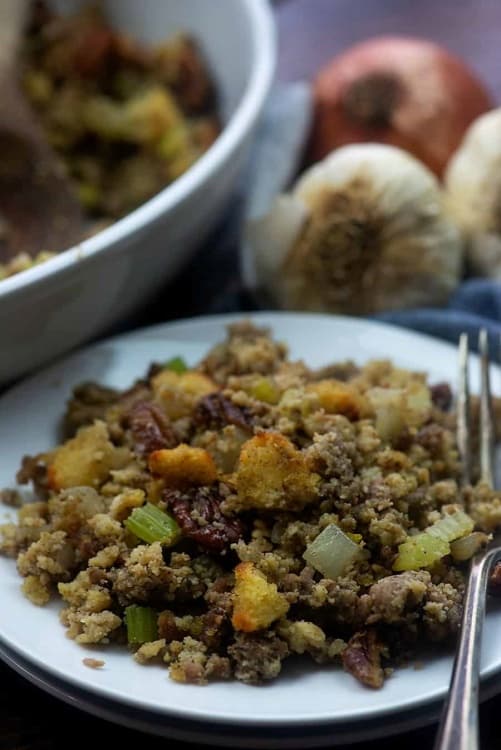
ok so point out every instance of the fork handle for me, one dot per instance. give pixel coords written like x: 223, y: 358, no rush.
x: 458, y: 728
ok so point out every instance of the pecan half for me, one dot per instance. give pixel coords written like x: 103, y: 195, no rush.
x: 153, y: 369
x: 150, y: 428
x: 92, y: 50
x: 362, y: 658
x: 34, y: 469
x: 192, y: 84
x: 216, y: 626
x: 197, y: 511
x: 139, y: 391
x: 431, y: 438
x: 88, y: 402
x: 441, y: 396
x: 216, y: 411
x: 167, y: 627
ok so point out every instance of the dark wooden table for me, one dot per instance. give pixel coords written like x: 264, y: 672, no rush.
x: 310, y: 31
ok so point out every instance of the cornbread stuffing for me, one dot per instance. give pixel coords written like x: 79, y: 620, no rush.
x: 225, y: 518
x: 125, y: 119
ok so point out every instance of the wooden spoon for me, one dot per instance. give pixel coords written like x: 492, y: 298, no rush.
x: 39, y: 209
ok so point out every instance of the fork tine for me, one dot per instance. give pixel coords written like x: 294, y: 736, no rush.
x: 463, y: 412
x: 486, y: 427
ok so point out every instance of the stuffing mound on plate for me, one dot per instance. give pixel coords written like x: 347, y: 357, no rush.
x: 224, y: 518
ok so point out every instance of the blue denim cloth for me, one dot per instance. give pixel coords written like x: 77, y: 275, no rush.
x: 475, y: 304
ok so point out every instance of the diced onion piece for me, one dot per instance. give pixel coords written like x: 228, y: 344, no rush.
x: 396, y: 408
x: 331, y: 552
x: 464, y: 548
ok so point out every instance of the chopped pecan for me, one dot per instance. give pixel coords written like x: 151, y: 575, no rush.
x: 153, y: 369
x: 89, y: 402
x: 441, y: 396
x: 92, y: 50
x: 216, y: 625
x: 167, y: 627
x: 431, y: 438
x: 140, y: 391
x: 34, y: 469
x: 40, y: 15
x: 11, y: 497
x: 362, y: 658
x: 219, y: 595
x: 150, y: 428
x: 192, y: 84
x: 216, y: 411
x: 197, y: 511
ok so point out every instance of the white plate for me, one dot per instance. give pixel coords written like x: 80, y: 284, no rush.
x: 267, y: 738
x: 302, y: 696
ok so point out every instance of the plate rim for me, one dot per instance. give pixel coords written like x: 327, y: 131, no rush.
x: 110, y: 712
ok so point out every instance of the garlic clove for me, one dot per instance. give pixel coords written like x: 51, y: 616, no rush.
x: 473, y: 193
x: 268, y: 239
x: 373, y: 236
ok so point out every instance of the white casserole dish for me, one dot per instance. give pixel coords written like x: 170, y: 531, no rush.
x: 75, y: 296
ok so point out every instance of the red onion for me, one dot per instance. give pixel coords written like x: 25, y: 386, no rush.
x: 405, y: 92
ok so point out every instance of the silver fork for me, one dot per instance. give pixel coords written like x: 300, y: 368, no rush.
x: 458, y: 728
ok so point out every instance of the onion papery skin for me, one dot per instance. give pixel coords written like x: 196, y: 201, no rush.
x: 400, y: 91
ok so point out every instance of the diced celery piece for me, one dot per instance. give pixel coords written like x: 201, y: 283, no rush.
x: 431, y: 545
x: 357, y: 538
x: 176, y: 364
x: 89, y: 194
x: 420, y: 551
x: 265, y: 390
x: 141, y: 624
x: 150, y: 524
x: 452, y: 526
x: 174, y: 141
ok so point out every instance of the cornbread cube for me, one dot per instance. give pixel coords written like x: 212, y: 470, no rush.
x: 178, y: 392
x: 336, y: 397
x: 272, y: 473
x: 183, y: 465
x: 397, y: 408
x: 124, y: 503
x: 86, y: 459
x: 303, y: 636
x: 256, y: 603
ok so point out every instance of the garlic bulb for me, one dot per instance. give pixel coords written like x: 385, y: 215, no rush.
x: 473, y: 193
x: 363, y: 231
